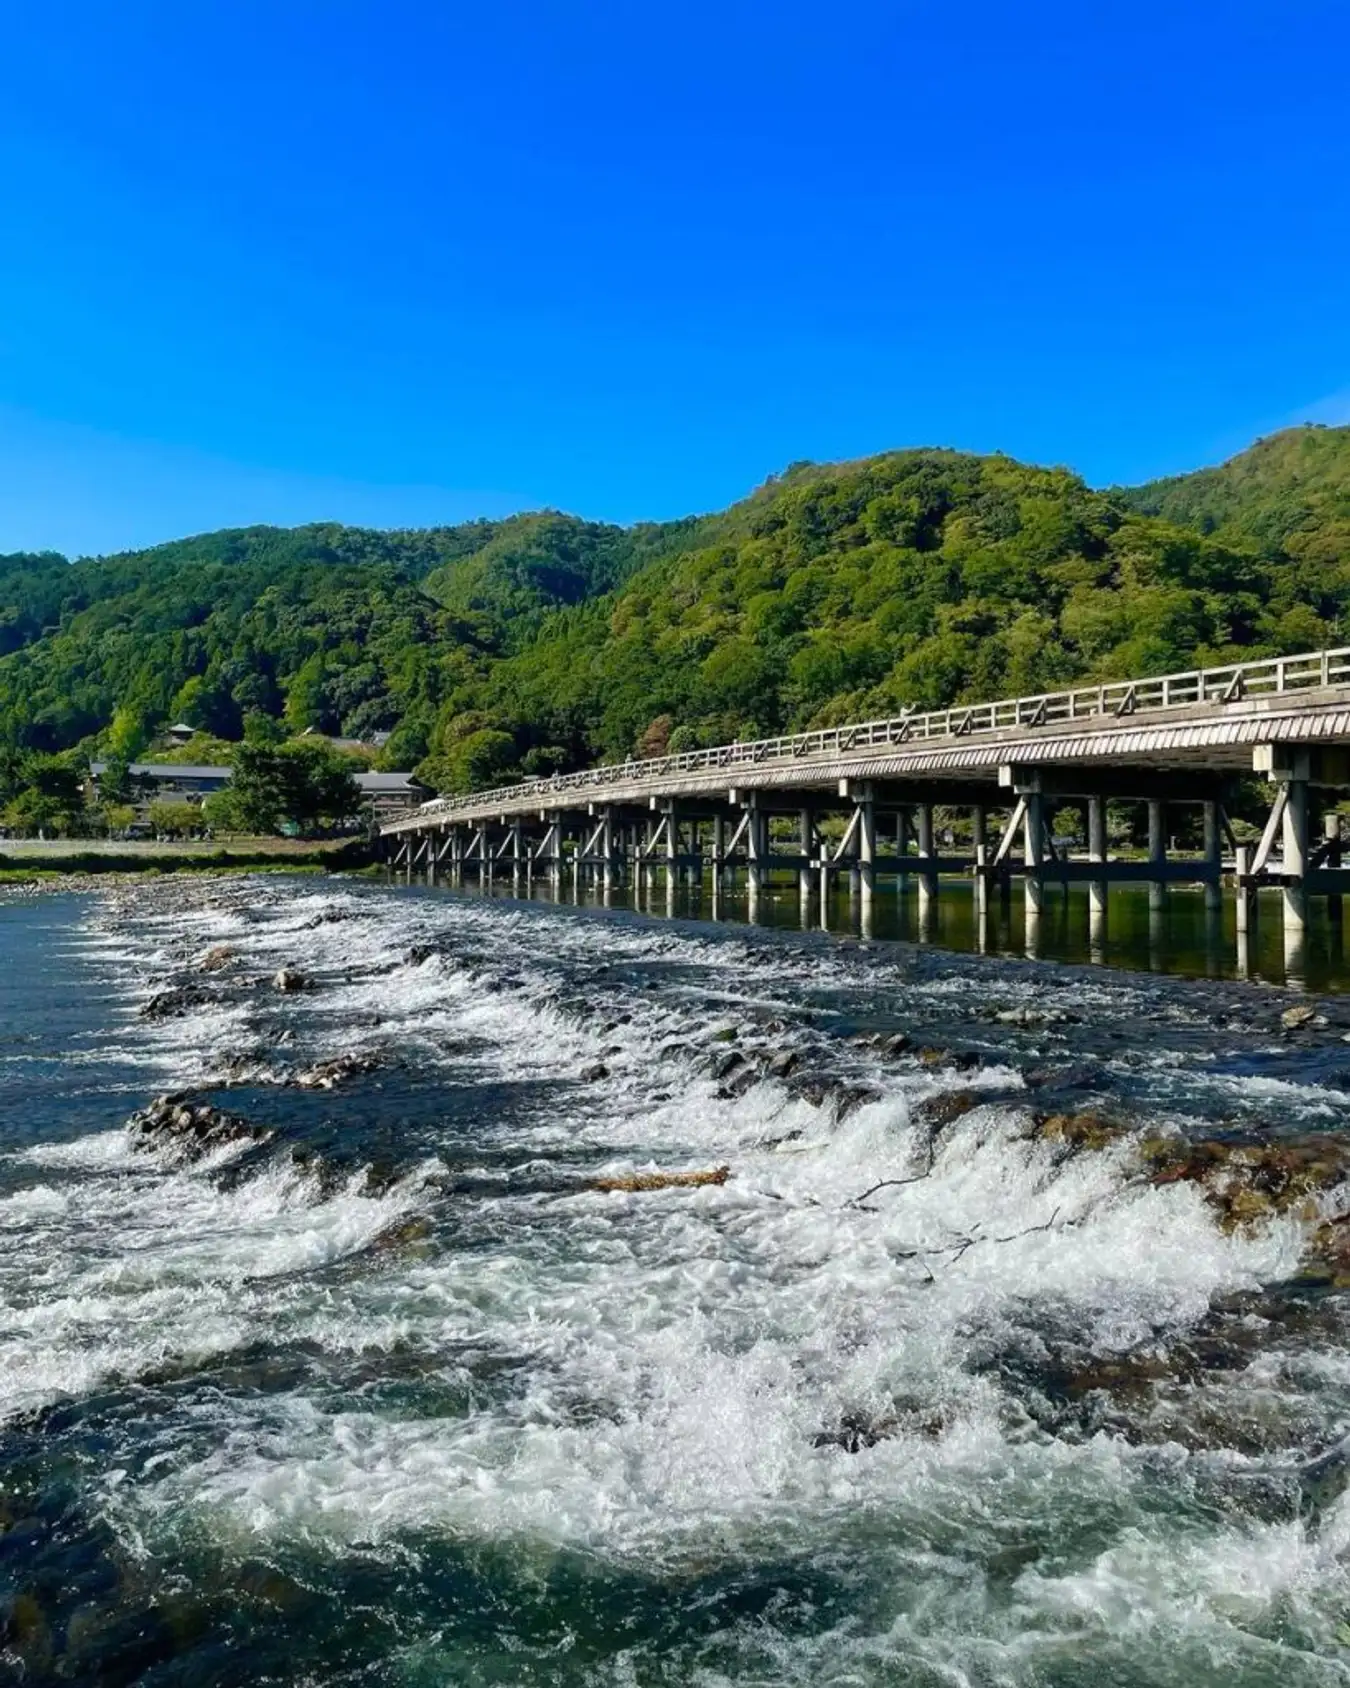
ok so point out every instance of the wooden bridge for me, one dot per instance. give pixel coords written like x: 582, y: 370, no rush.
x: 860, y: 799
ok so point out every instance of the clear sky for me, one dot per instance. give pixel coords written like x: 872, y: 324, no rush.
x: 399, y: 263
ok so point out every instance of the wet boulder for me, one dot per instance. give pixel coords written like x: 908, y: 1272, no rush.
x: 1078, y: 1131
x: 1251, y: 1181
x: 1079, y: 1075
x: 594, y: 1073
x: 214, y: 959
x: 724, y: 1064
x: 174, y: 1003
x: 289, y: 979
x: 1302, y: 1017
x: 956, y: 1060
x: 746, y: 1077
x: 944, y: 1109
x: 327, y: 1075
x: 190, y: 1128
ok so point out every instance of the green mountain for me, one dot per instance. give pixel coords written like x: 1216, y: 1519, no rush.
x: 836, y: 590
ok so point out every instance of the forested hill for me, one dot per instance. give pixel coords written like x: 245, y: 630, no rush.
x: 495, y: 648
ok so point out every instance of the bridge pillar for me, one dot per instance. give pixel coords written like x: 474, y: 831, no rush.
x: 1096, y: 846
x: 1157, y: 851
x: 1033, y: 851
x: 672, y: 849
x: 928, y: 879
x: 902, y: 830
x: 1295, y: 853
x: 1331, y: 832
x: 1246, y: 891
x: 806, y: 835
x: 607, y: 852
x: 867, y: 850
x: 1213, y: 836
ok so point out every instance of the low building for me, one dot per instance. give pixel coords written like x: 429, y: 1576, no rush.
x: 387, y: 796
x: 383, y: 796
x: 165, y: 782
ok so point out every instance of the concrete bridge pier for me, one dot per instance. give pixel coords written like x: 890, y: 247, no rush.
x: 1331, y: 836
x: 806, y: 839
x: 927, y: 867
x: 1295, y: 854
x: 1157, y: 855
x: 867, y: 850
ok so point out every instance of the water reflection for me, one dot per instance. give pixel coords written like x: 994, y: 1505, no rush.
x: 1186, y: 932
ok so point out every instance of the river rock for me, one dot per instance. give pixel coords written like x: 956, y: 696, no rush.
x: 171, y: 1004
x: 938, y: 1112
x: 1301, y: 1015
x: 744, y: 1078
x: 785, y: 1062
x: 289, y: 979
x: 326, y: 1075
x: 214, y: 959
x: 1078, y: 1131
x: 594, y: 1073
x: 191, y: 1128
x: 726, y: 1063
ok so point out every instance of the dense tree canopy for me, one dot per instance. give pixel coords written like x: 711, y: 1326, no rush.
x: 500, y: 648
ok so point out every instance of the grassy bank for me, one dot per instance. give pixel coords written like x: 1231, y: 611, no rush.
x: 32, y: 858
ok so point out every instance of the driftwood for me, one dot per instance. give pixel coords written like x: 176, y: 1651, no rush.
x: 661, y: 1180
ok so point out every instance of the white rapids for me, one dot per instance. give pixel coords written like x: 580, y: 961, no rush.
x: 833, y: 1372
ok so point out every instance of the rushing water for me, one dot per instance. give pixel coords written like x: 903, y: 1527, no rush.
x: 390, y: 1391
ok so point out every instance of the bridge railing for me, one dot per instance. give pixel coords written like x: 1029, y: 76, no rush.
x: 1119, y: 698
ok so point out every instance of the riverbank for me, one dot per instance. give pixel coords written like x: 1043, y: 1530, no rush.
x: 63, y: 861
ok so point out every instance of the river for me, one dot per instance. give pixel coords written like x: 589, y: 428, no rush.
x: 996, y: 1334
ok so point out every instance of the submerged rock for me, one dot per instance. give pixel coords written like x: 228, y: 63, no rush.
x: 726, y: 1063
x: 942, y: 1110
x: 592, y: 1074
x: 1079, y: 1131
x: 214, y: 959
x: 192, y: 1129
x: 858, y: 1431
x: 1250, y: 1181
x: 172, y: 1004
x: 289, y: 979
x: 326, y: 1075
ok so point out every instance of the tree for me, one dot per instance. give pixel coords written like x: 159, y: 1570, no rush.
x: 307, y: 784
x: 175, y: 820
x: 46, y: 794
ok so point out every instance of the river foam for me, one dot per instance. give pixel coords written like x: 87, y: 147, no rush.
x: 918, y: 1365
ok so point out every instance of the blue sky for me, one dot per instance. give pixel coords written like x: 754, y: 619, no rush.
x: 404, y: 263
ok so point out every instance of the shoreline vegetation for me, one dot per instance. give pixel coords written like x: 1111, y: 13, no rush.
x: 61, y: 863
x: 480, y: 654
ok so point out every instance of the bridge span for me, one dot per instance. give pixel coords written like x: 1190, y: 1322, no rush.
x: 860, y: 799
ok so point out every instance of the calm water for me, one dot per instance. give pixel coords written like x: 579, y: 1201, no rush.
x: 1182, y: 938
x: 392, y: 1392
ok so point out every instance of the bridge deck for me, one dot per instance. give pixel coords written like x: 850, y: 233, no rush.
x: 1203, y: 720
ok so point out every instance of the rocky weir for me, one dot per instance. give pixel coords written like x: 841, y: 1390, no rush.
x: 427, y: 1289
